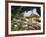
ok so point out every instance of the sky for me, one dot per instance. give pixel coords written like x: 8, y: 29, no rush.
x: 26, y: 10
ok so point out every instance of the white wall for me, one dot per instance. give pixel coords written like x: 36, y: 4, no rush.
x: 2, y: 19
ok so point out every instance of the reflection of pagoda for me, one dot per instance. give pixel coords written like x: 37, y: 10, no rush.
x: 33, y: 15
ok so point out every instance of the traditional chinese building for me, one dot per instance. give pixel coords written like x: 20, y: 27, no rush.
x: 33, y: 16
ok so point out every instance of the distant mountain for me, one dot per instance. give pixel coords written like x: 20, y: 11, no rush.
x: 31, y: 13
